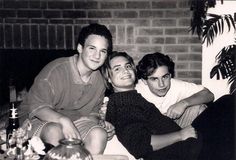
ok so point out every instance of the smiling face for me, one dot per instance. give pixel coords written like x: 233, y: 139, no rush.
x: 122, y: 74
x: 159, y: 82
x: 94, y: 52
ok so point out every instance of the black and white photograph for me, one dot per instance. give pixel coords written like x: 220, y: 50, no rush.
x: 117, y: 79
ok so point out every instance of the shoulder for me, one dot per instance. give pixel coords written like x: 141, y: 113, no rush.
x: 178, y: 82
x: 97, y: 80
x: 96, y: 77
x: 141, y: 86
x: 184, y: 88
x: 59, y: 61
x: 55, y: 66
x: 54, y: 71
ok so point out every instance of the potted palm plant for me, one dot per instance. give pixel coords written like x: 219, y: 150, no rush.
x: 226, y: 58
x: 207, y: 29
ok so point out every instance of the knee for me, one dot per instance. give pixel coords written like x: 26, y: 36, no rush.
x: 96, y: 141
x: 52, y: 133
x: 98, y: 135
x: 52, y: 128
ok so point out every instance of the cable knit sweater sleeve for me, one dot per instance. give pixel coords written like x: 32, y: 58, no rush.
x: 130, y: 123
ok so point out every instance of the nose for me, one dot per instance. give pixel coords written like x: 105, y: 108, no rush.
x: 160, y: 83
x: 97, y: 55
x: 126, y: 69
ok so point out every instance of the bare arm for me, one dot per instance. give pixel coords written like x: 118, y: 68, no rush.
x: 161, y: 141
x: 203, y: 96
x: 48, y: 114
x: 68, y: 128
x: 177, y: 109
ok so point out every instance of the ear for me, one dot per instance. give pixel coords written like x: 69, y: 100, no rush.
x: 144, y: 81
x: 107, y: 75
x: 109, y: 80
x: 79, y: 48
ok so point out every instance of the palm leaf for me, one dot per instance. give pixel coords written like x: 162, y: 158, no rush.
x: 219, y: 27
x: 215, y: 71
x: 226, y: 66
x: 215, y: 26
x: 199, y: 8
x: 228, y: 23
x: 231, y: 20
x: 222, y: 25
x: 232, y: 87
x: 233, y: 77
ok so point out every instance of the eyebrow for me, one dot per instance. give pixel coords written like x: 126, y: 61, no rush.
x: 159, y: 77
x: 90, y: 45
x: 118, y: 65
x: 115, y: 66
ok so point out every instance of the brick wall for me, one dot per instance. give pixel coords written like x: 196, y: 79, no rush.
x: 138, y: 27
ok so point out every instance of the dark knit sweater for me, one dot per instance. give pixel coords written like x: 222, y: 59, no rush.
x: 135, y: 120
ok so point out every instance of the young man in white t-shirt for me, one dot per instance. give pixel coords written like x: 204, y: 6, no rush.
x: 179, y: 100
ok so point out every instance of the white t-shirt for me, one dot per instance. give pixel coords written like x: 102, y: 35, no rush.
x: 178, y: 90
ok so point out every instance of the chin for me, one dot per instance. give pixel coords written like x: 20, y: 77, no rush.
x: 94, y: 68
x: 160, y: 94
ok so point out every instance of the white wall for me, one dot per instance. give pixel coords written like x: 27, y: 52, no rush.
x: 218, y: 87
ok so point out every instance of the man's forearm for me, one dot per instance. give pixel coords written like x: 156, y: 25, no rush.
x: 203, y: 96
x: 48, y: 114
x: 161, y: 141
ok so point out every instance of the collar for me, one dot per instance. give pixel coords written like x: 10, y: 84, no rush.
x: 75, y: 72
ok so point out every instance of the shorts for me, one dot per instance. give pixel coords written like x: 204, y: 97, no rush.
x: 190, y: 114
x: 84, y: 126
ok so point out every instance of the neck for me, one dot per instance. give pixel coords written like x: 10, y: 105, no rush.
x: 123, y: 89
x: 84, y: 72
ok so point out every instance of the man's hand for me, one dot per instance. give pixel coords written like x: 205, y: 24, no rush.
x: 103, y: 109
x: 188, y: 132
x: 110, y: 130
x: 68, y: 128
x: 177, y: 109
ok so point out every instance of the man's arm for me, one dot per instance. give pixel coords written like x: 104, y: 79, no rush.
x: 177, y: 109
x: 161, y: 141
x: 68, y: 128
x: 203, y: 96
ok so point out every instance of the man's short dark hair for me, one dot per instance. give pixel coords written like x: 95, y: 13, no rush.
x: 150, y: 62
x: 96, y: 29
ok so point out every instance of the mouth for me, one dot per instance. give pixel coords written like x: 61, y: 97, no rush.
x: 126, y: 77
x: 162, y: 90
x: 95, y: 61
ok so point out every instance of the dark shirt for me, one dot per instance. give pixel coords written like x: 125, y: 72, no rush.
x: 135, y: 120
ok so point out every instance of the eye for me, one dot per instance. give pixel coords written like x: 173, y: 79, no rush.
x: 167, y: 76
x: 129, y: 66
x: 117, y: 69
x: 153, y: 78
x: 91, y: 48
x: 104, y: 52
